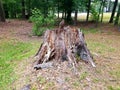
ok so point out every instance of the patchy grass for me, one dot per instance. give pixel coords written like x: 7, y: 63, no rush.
x: 76, y: 84
x: 93, y: 31
x: 11, y: 52
x: 67, y: 79
x: 41, y: 80
x: 99, y: 47
x: 50, y: 86
x: 113, y: 88
x: 115, y: 73
x: 95, y: 80
x: 43, y: 84
x: 83, y: 75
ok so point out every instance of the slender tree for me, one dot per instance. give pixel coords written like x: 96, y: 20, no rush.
x: 58, y: 7
x: 88, y: 9
x: 117, y: 16
x: 29, y: 7
x: 113, y: 11
x: 2, y: 13
x: 103, y: 4
x: 75, y: 18
x: 69, y: 9
x: 23, y: 8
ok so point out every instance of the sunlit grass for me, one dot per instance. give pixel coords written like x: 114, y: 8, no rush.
x: 93, y: 31
x: 99, y: 47
x: 106, y: 17
x: 113, y: 88
x: 10, y: 52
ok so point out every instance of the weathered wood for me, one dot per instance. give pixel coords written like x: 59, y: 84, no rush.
x: 64, y: 43
x: 44, y: 65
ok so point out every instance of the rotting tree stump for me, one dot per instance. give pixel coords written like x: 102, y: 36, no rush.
x: 63, y: 44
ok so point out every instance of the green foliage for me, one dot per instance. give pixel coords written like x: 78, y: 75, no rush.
x: 40, y: 21
x: 95, y: 11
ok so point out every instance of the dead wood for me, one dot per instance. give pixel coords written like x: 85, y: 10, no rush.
x: 63, y: 43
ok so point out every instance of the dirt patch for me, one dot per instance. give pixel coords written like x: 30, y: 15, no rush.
x: 17, y: 29
x: 62, y: 77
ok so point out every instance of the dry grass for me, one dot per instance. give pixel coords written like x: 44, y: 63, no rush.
x: 106, y: 17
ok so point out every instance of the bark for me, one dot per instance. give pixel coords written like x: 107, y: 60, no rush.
x: 63, y: 44
x: 2, y: 13
x: 113, y: 11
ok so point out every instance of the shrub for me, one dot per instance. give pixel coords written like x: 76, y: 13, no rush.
x: 95, y: 11
x: 40, y: 21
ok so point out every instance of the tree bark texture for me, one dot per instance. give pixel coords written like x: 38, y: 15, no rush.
x: 63, y: 44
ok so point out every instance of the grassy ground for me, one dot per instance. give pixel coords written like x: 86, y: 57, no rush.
x: 11, y: 52
x: 106, y: 17
x: 18, y: 46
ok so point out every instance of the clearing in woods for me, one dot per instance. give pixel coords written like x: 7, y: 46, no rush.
x: 18, y: 46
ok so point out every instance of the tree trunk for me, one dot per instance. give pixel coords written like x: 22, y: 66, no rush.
x: 103, y: 4
x: 113, y: 11
x: 63, y: 14
x: 29, y: 8
x: 63, y: 44
x: 88, y: 10
x: 99, y: 11
x: 117, y: 16
x: 75, y: 19
x: 2, y: 13
x: 23, y: 9
x: 6, y: 11
x: 69, y: 18
x: 58, y: 9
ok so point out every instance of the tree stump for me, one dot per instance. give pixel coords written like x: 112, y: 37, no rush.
x: 63, y: 43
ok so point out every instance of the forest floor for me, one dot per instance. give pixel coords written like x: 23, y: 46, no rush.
x: 18, y: 47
